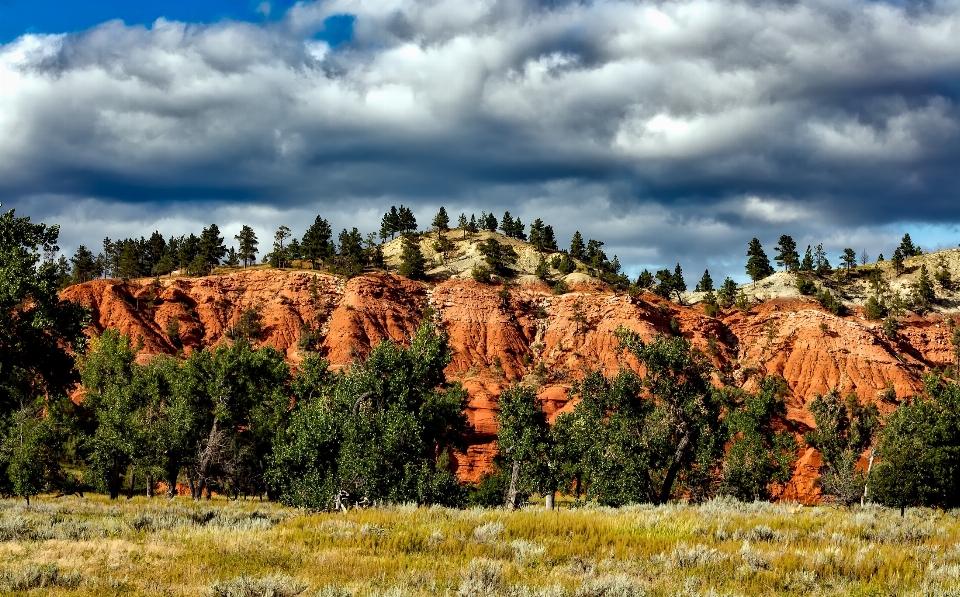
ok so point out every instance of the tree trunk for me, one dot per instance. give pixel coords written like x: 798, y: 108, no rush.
x: 192, y: 485
x: 113, y: 483
x: 149, y: 485
x: 131, y: 480
x: 172, y: 473
x: 674, y: 469
x: 548, y: 500
x: 863, y: 498
x: 511, y: 501
x: 576, y: 488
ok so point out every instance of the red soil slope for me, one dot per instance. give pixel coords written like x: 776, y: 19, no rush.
x: 497, y: 339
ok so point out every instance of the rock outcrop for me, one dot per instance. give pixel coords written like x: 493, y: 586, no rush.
x: 499, y: 336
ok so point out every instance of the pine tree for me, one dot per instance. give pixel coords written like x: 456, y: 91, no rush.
x: 506, y: 224
x: 499, y: 256
x: 84, y: 265
x: 390, y: 223
x: 727, y: 292
x: 463, y: 225
x: 408, y: 223
x: 645, y: 279
x: 787, y: 255
x: 923, y: 289
x: 212, y: 249
x: 518, y: 232
x: 155, y: 248
x: 294, y: 250
x: 536, y: 234
x: 473, y: 226
x: 412, y: 263
x: 577, y: 248
x: 232, y: 259
x: 706, y: 282
x: 316, y: 245
x: 907, y: 248
x: 282, y: 234
x: 807, y: 264
x: 549, y: 239
x: 247, y: 240
x: 441, y: 222
x: 677, y: 283
x: 129, y: 261
x: 897, y: 261
x: 820, y: 262
x: 490, y: 222
x: 758, y: 266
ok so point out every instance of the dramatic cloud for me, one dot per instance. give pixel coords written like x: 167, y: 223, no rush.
x: 674, y: 131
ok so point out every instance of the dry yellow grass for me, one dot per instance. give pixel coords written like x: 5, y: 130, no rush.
x: 73, y: 546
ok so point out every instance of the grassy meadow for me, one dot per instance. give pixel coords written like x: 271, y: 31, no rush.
x: 90, y: 546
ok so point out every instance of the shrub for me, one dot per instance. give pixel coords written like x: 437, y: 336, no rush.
x: 805, y: 286
x: 37, y: 576
x: 890, y: 326
x: 560, y: 287
x: 875, y: 309
x: 830, y: 303
x: 481, y: 273
x: 249, y: 325
x: 271, y: 586
x: 482, y: 579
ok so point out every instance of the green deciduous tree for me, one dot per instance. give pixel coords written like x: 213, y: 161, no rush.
x: 919, y: 451
x: 381, y: 431
x: 113, y: 402
x: 757, y: 455
x: 633, y: 439
x: 36, y: 329
x: 523, y: 443
x: 845, y: 428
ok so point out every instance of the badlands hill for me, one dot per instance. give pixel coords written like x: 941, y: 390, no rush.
x: 528, y: 333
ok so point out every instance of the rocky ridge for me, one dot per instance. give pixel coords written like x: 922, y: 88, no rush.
x: 528, y: 333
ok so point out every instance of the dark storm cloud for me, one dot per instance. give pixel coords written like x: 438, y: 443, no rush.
x: 672, y: 130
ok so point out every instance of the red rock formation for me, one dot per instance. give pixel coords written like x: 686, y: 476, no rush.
x: 528, y: 333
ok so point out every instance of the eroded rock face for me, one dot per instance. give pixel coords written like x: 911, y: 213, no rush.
x: 528, y: 333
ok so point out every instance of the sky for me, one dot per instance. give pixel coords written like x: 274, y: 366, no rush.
x: 674, y: 131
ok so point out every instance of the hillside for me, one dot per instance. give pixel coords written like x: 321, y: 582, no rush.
x: 529, y: 333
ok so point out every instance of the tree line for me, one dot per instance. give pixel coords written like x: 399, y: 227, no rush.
x: 238, y: 421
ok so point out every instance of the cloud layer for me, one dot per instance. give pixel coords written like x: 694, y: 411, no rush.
x: 672, y: 130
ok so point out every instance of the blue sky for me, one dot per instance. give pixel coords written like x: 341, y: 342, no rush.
x: 66, y: 16
x: 673, y: 131
x: 61, y: 16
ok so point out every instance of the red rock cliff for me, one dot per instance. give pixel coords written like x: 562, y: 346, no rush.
x: 500, y: 337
